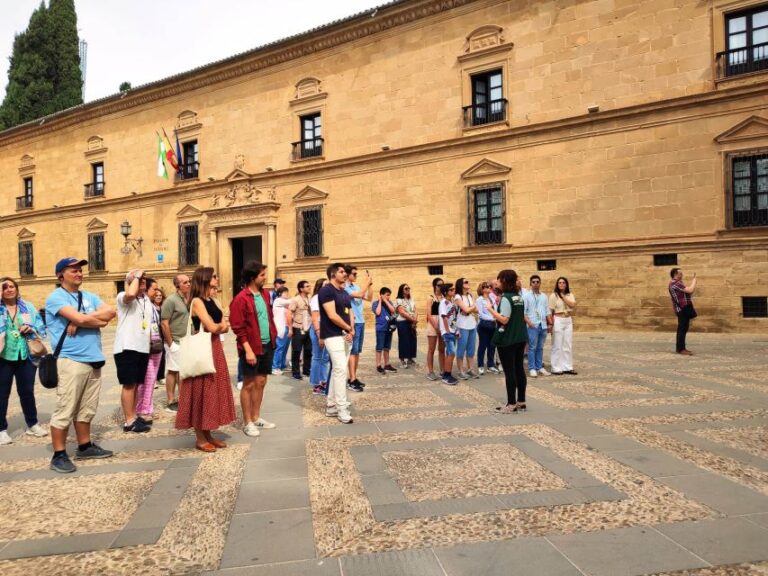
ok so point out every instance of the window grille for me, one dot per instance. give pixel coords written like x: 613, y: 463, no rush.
x: 96, y: 253
x: 309, y: 231
x: 754, y: 306
x: 188, y: 244
x: 435, y: 270
x: 665, y: 259
x: 544, y: 265
x: 486, y: 214
x: 26, y: 259
x: 749, y: 189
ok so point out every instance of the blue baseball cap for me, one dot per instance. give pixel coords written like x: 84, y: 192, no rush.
x: 67, y: 262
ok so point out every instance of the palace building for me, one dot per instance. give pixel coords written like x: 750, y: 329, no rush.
x: 602, y: 140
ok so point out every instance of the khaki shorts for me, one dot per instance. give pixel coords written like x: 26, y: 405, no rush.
x: 431, y: 330
x: 77, y: 395
x: 171, y: 359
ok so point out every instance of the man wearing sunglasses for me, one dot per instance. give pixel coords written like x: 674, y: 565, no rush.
x: 539, y: 321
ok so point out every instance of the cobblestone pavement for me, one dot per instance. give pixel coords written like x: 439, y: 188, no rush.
x: 644, y: 463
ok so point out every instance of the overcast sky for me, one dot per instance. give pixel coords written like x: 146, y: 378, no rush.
x: 145, y: 40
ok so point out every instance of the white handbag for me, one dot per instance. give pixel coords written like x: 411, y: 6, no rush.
x: 195, y: 353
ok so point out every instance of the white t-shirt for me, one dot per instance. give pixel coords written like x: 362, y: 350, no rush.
x: 279, y: 311
x: 314, y: 304
x: 465, y: 321
x: 447, y: 309
x: 134, y: 321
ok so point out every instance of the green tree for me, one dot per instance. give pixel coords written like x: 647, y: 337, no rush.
x: 44, y: 76
x: 125, y: 86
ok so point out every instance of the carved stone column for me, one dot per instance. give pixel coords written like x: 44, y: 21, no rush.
x: 271, y: 251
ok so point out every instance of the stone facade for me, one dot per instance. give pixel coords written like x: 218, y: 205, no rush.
x: 646, y: 172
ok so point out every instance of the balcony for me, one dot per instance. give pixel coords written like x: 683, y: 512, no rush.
x: 23, y: 202
x: 304, y: 149
x: 94, y: 190
x: 485, y: 113
x: 187, y: 171
x: 742, y: 61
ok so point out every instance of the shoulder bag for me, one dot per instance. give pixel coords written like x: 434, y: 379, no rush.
x: 195, y: 353
x: 48, y: 370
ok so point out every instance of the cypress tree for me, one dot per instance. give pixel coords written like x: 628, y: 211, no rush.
x: 44, y: 76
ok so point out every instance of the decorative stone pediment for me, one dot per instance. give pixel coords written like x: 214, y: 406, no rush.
x: 237, y: 174
x: 189, y: 211
x: 25, y: 234
x: 244, y: 215
x: 484, y: 40
x: 749, y: 129
x: 242, y: 193
x: 96, y: 224
x: 484, y: 168
x: 307, y: 87
x: 310, y: 194
x: 27, y: 164
x: 95, y: 143
x: 186, y: 118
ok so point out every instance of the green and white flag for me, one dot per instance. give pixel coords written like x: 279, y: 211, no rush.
x: 161, y: 171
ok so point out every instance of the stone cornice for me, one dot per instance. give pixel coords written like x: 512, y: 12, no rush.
x: 306, y: 44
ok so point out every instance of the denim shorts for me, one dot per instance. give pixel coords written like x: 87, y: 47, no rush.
x: 357, y: 341
x: 467, y: 343
x: 450, y: 344
x: 383, y: 340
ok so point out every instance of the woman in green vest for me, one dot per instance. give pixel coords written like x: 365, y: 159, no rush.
x: 510, y: 338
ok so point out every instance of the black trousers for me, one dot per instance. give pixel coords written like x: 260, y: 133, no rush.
x: 301, y: 343
x: 683, y: 323
x: 24, y: 372
x: 514, y: 371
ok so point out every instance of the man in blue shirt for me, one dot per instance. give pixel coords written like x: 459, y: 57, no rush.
x: 539, y: 321
x: 358, y: 294
x: 78, y: 317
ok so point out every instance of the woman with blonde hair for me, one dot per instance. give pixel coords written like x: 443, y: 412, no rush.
x: 206, y: 402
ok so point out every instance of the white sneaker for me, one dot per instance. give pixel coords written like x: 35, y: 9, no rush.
x: 493, y: 370
x: 543, y: 372
x: 331, y: 411
x: 276, y: 371
x: 5, y: 439
x: 462, y: 376
x: 250, y: 429
x: 261, y: 423
x: 345, y: 417
x: 481, y: 370
x: 533, y: 373
x: 239, y: 385
x: 37, y: 431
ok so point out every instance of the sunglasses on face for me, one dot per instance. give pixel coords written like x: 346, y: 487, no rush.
x: 535, y: 281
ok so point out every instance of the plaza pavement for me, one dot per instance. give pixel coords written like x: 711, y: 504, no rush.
x: 644, y: 463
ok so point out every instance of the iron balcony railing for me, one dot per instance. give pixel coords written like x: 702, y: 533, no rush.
x: 307, y: 148
x: 742, y: 60
x: 23, y: 202
x: 188, y: 171
x: 485, y: 113
x: 94, y: 189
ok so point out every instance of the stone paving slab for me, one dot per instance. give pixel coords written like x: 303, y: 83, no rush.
x: 661, y: 457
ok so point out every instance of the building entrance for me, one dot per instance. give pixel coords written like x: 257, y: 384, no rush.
x: 243, y: 250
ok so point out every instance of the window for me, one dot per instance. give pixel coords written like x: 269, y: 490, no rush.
x: 488, y: 102
x: 25, y: 200
x: 435, y: 270
x: 119, y: 286
x: 746, y: 37
x: 544, y: 265
x: 96, y: 186
x: 26, y: 259
x: 309, y: 231
x: 311, y: 143
x: 665, y: 259
x: 96, y: 254
x: 749, y: 186
x: 754, y: 306
x: 486, y: 214
x: 188, y: 244
x: 190, y: 164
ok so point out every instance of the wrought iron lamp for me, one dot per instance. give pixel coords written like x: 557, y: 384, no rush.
x: 130, y: 243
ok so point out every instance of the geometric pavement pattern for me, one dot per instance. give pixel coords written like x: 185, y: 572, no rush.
x: 644, y: 463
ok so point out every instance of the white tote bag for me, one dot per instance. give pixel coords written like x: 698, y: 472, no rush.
x: 196, y: 353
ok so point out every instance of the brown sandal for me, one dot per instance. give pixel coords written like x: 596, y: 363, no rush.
x: 218, y: 443
x: 207, y: 447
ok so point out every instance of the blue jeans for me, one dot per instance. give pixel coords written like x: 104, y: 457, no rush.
x: 485, y: 331
x: 278, y: 361
x: 319, y: 370
x: 536, y: 338
x: 450, y: 344
x: 24, y: 372
x: 357, y: 341
x: 467, y: 344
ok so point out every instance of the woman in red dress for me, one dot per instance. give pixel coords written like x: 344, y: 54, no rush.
x: 206, y: 402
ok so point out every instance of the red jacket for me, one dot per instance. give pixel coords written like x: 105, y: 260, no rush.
x: 245, y: 323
